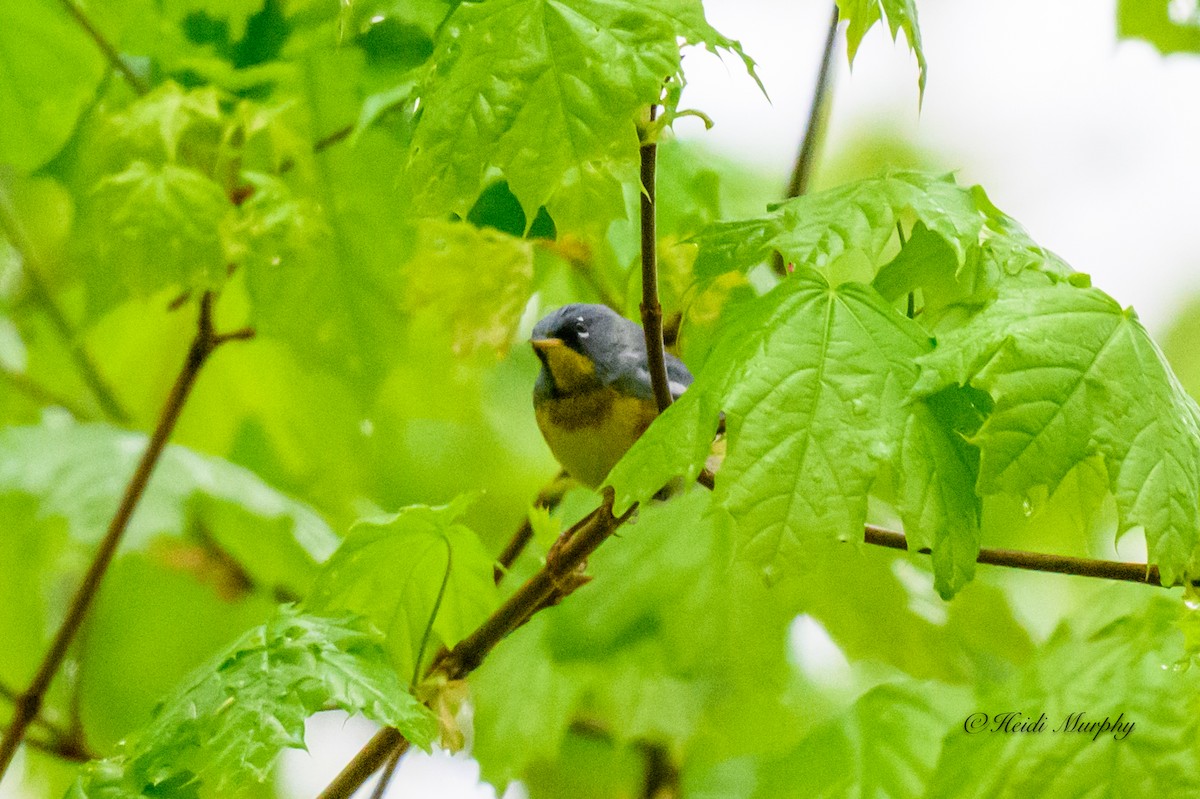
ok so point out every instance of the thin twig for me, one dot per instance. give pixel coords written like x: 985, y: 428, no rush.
x: 27, y: 705
x: 662, y: 774
x: 651, y: 309
x: 11, y: 227
x: 63, y: 749
x: 325, y: 142
x: 806, y: 157
x: 554, y: 581
x: 44, y: 396
x: 110, y: 52
x: 389, y: 771
x: 382, y: 746
x: 12, y: 695
x: 1147, y: 574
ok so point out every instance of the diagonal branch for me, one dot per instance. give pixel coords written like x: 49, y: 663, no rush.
x: 28, y: 705
x: 11, y: 227
x: 553, y: 582
x: 806, y: 158
x: 42, y: 395
x: 389, y: 771
x: 137, y: 84
x: 558, y: 578
x: 549, y: 498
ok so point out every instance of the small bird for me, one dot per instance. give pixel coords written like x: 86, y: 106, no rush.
x: 593, y: 397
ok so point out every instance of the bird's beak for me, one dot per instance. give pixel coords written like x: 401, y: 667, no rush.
x: 543, y: 347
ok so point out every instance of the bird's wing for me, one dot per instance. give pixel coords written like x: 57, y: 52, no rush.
x: 678, y: 376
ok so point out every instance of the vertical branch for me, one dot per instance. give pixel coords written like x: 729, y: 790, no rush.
x: 28, y: 704
x: 651, y: 309
x: 662, y: 775
x: 807, y: 156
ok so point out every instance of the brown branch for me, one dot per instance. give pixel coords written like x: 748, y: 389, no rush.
x: 106, y: 47
x: 662, y: 773
x: 558, y: 578
x: 555, y: 580
x: 806, y: 157
x: 389, y: 771
x: 651, y: 309
x: 1147, y: 574
x: 383, y: 745
x: 64, y: 749
x: 12, y: 695
x: 28, y: 705
x: 339, y: 135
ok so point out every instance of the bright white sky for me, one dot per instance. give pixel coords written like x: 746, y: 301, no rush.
x: 1093, y: 145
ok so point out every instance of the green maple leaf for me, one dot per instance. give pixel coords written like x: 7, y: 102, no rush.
x: 229, y: 721
x: 901, y: 16
x: 415, y: 573
x: 1057, y: 361
x: 547, y: 91
x: 812, y: 380
x: 163, y: 228
x: 859, y: 220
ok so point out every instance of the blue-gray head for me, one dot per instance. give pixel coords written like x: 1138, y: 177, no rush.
x: 585, y: 347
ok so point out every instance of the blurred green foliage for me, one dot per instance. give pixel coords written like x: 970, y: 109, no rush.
x: 390, y: 194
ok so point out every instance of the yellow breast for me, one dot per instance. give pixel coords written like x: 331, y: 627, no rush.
x: 588, y: 433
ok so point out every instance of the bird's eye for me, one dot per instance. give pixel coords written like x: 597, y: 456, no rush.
x: 581, y: 330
